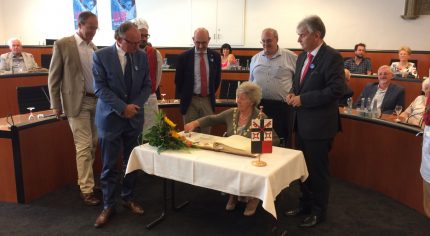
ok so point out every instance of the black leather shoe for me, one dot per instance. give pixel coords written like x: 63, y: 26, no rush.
x: 297, y: 211
x: 311, y: 221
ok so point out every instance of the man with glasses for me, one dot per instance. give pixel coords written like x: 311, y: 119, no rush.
x: 122, y: 85
x: 154, y: 61
x: 71, y: 89
x: 198, y: 76
x: 273, y: 70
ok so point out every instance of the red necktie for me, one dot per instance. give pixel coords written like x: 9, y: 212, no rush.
x: 203, y: 78
x: 310, y: 56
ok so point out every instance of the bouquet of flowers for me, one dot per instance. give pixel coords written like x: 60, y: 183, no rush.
x: 164, y: 136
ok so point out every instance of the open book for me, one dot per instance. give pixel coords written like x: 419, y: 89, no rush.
x: 234, y: 144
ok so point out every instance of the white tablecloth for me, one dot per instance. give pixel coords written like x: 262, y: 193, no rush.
x: 224, y: 172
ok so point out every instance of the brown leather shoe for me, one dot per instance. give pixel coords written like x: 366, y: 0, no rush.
x: 135, y: 207
x: 90, y: 199
x: 103, y: 218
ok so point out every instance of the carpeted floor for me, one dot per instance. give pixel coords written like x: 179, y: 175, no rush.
x: 352, y: 211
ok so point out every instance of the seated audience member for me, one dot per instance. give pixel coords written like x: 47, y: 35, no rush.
x: 227, y: 58
x: 359, y: 64
x: 16, y: 58
x: 347, y: 92
x: 403, y: 67
x: 414, y: 113
x: 238, y: 121
x: 387, y: 94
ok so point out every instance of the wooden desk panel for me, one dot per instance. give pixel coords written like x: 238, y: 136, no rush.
x: 36, y: 157
x: 383, y: 158
x: 7, y: 182
x: 9, y: 101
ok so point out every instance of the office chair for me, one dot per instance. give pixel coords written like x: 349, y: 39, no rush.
x: 228, y: 88
x: 33, y: 96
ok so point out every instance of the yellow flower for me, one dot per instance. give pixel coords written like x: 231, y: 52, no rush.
x: 169, y: 122
x: 175, y: 134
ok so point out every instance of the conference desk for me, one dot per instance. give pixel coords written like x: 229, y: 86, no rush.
x: 36, y: 157
x: 224, y: 172
x: 380, y: 154
x: 8, y: 85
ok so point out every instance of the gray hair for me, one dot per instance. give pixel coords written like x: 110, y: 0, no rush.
x: 251, y: 90
x: 10, y: 41
x: 425, y: 84
x: 273, y: 31
x: 313, y: 24
x: 124, y: 27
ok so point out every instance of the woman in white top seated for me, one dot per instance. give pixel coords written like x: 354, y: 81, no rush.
x: 403, y: 66
x: 414, y: 113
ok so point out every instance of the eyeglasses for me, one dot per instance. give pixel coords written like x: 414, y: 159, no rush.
x: 267, y: 41
x: 130, y: 42
x: 146, y: 36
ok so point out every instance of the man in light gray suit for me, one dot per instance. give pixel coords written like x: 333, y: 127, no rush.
x: 71, y: 89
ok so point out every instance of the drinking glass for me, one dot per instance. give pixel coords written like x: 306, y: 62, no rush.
x: 398, y: 110
x: 349, y: 102
x: 31, y: 116
x: 162, y: 98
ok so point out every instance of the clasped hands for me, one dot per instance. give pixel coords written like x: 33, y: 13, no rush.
x: 293, y: 100
x: 130, y: 111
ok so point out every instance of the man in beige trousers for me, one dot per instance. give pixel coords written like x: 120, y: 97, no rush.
x: 71, y: 88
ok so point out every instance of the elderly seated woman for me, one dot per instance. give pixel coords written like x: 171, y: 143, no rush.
x: 238, y: 121
x: 403, y: 66
x: 414, y: 113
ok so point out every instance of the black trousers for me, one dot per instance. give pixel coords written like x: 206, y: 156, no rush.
x: 316, y: 188
x: 282, y: 114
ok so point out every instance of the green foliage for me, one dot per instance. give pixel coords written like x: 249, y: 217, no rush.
x: 160, y: 135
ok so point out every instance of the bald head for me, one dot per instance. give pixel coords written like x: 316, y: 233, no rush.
x: 201, y: 39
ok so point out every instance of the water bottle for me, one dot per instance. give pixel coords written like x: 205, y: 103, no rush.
x: 362, y: 104
x: 375, y: 109
x: 368, y: 104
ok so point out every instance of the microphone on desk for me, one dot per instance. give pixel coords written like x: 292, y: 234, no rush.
x: 46, y: 95
x: 228, y: 91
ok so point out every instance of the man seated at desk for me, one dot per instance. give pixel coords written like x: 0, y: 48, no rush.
x: 359, y: 64
x: 17, y: 59
x: 386, y: 94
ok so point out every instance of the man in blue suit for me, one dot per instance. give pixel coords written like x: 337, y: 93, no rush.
x: 197, y: 78
x: 386, y: 94
x: 318, y: 84
x: 122, y: 84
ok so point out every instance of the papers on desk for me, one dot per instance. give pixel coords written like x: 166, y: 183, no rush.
x: 234, y: 144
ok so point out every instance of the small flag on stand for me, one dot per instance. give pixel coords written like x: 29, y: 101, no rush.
x: 261, y: 135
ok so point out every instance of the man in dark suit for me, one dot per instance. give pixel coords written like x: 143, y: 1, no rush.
x: 317, y: 86
x: 122, y: 85
x: 386, y: 94
x: 198, y: 76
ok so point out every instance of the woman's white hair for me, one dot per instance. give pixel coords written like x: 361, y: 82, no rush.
x: 251, y: 90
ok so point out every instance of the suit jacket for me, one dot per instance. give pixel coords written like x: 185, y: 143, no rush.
x: 184, y: 77
x: 110, y: 88
x: 318, y: 116
x: 6, y: 61
x: 66, y: 81
x: 395, y: 95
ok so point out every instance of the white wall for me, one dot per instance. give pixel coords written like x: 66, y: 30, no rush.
x: 374, y: 22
